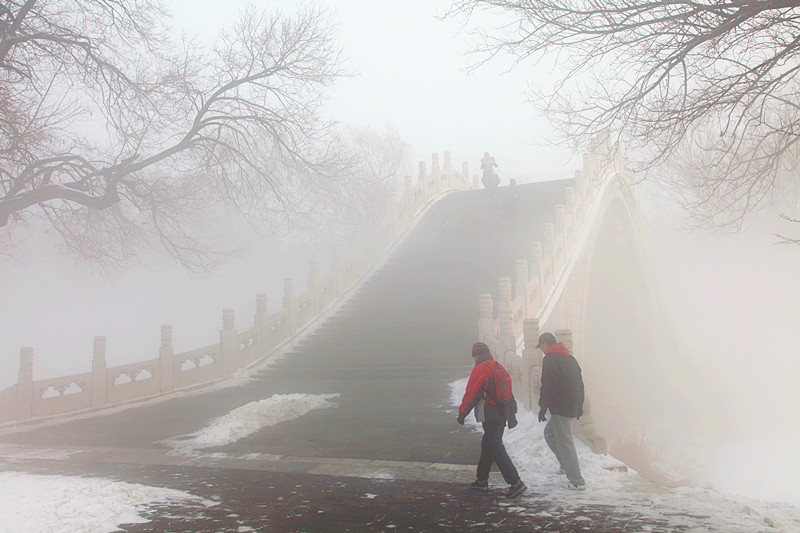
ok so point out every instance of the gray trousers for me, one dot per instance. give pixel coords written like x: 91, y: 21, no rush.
x: 558, y: 435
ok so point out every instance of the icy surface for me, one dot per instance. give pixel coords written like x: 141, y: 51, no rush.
x: 249, y: 419
x: 698, y: 509
x: 34, y: 503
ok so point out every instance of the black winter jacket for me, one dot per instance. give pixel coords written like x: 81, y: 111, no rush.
x: 562, y: 384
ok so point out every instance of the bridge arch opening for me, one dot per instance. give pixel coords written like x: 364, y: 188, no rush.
x: 623, y: 361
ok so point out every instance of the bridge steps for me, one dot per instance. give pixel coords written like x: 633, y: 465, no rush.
x: 390, y: 352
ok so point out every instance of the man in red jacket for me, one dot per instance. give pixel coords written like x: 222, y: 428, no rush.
x: 562, y: 393
x: 493, y: 418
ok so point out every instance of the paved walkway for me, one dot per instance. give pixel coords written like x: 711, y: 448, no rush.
x: 268, y: 493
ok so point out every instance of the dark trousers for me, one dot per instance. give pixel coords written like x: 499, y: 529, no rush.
x: 493, y: 451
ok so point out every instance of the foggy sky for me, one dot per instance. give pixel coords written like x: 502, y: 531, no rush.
x: 732, y: 299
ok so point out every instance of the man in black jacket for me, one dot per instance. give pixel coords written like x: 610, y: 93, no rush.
x: 562, y: 393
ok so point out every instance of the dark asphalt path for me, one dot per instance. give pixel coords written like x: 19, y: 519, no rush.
x: 248, y: 500
x: 390, y: 354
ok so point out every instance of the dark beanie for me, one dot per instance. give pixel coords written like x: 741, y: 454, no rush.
x: 479, y: 348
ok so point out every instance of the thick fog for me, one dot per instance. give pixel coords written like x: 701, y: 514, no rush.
x: 704, y: 387
x: 717, y: 399
x: 417, y: 85
x: 733, y: 301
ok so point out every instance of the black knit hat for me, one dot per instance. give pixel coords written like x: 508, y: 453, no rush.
x: 479, y: 348
x: 546, y: 338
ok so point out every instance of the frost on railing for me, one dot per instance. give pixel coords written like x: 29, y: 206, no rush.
x: 169, y: 371
x: 542, y: 293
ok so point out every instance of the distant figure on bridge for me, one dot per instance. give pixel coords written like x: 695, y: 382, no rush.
x: 489, y: 179
x: 561, y: 393
x: 489, y: 393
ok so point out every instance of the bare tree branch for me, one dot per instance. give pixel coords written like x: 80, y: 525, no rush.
x: 782, y: 239
x: 380, y: 161
x: 716, y: 79
x: 117, y: 138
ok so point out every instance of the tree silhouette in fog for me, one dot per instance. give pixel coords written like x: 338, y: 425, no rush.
x: 118, y: 136
x: 709, y: 88
x: 380, y: 161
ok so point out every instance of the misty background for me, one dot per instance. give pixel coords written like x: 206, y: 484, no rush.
x: 732, y: 416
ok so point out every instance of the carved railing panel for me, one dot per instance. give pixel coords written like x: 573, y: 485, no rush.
x: 128, y: 382
x: 61, y: 395
x: 197, y: 366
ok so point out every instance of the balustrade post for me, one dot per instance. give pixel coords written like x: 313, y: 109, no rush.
x: 24, y: 398
x: 572, y: 225
x: 559, y: 229
x: 486, y: 322
x: 590, y: 169
x: 229, y: 342
x: 536, y: 253
x: 261, y: 315
x: 98, y: 386
x: 521, y: 287
x: 435, y: 173
x: 289, y: 307
x: 581, y: 192
x: 260, y: 321
x: 569, y: 203
x: 166, y: 363
x: 531, y: 362
x: 448, y: 168
x: 465, y: 174
x: 505, y: 320
x: 548, y: 258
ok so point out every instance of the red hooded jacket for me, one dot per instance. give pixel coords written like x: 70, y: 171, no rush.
x: 476, y: 391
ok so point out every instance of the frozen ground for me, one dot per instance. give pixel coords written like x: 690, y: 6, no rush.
x: 43, y: 503
x: 698, y: 509
x: 33, y: 503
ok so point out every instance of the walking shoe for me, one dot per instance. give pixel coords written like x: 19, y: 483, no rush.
x: 516, y: 489
x: 480, y: 485
x: 572, y: 486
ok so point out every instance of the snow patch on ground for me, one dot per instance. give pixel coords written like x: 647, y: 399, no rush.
x: 385, y: 476
x: 36, y: 503
x: 699, y: 509
x: 249, y: 419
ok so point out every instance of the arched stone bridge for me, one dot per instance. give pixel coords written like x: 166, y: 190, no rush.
x: 386, y: 331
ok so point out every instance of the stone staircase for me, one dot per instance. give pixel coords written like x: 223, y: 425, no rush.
x: 390, y: 351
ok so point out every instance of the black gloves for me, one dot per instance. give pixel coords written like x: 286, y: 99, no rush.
x: 460, y: 419
x: 512, y: 421
x: 542, y: 412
